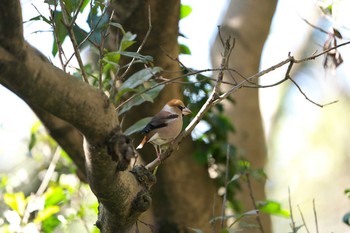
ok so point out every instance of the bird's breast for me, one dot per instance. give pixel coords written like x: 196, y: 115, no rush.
x: 167, y: 133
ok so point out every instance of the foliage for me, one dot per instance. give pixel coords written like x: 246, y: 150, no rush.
x: 61, y: 205
x: 346, y: 217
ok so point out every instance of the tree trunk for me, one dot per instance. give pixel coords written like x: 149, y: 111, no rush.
x: 122, y: 195
x: 184, y: 194
x: 248, y: 22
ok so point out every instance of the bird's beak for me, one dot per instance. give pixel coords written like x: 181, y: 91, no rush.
x: 186, y: 111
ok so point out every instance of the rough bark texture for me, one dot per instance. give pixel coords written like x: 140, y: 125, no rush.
x: 62, y: 102
x: 248, y: 22
x: 184, y: 194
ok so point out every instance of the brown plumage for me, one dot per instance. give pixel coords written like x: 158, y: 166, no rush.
x: 165, y: 126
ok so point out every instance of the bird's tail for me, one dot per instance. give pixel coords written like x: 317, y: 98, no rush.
x: 144, y: 140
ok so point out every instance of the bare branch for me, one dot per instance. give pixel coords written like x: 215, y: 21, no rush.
x: 142, y: 43
x: 306, y: 97
x: 302, y: 218
x: 11, y: 29
x: 315, y: 215
x: 313, y: 57
x: 226, y: 185
x: 69, y: 25
x: 250, y: 188
x: 55, y: 34
x: 292, y: 224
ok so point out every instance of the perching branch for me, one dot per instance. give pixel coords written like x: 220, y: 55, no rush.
x: 205, y: 108
x: 215, y: 96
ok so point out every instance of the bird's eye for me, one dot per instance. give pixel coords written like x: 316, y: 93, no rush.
x: 180, y: 107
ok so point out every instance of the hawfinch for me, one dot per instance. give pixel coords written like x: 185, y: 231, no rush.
x: 165, y: 126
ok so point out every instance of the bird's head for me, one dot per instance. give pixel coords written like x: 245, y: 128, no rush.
x: 177, y: 106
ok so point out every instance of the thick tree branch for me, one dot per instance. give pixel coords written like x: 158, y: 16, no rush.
x: 11, y: 31
x: 70, y: 108
x: 48, y: 89
x: 40, y: 83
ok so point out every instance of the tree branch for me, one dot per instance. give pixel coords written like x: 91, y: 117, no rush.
x: 205, y: 108
x: 11, y: 30
x: 39, y: 83
x: 69, y: 25
x: 122, y: 195
x: 215, y: 97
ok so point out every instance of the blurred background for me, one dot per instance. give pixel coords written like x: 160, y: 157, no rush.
x: 307, y: 146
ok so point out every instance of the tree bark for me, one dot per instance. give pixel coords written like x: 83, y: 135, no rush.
x: 248, y: 22
x: 123, y: 195
x: 184, y: 194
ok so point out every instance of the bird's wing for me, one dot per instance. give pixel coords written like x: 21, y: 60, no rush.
x: 159, y: 121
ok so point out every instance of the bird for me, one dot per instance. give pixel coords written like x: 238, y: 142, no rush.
x: 165, y: 126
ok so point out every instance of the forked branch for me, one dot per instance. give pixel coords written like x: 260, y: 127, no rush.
x: 216, y: 97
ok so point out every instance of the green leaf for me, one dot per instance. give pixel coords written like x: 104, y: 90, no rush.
x: 80, y: 36
x: 142, y: 58
x: 123, y: 92
x: 46, y: 213
x: 54, y: 195
x: 346, y: 219
x: 51, y: 2
x: 16, y: 201
x: 347, y: 192
x: 140, y: 77
x: 127, y: 40
x: 32, y: 141
x: 118, y: 25
x: 72, y: 6
x: 49, y: 224
x: 86, y: 2
x: 97, y: 23
x: 112, y: 58
x: 41, y: 18
x: 185, y: 10
x: 139, y: 99
x: 274, y: 208
x: 235, y: 177
x: 138, y: 126
x: 3, y: 181
x: 60, y: 30
x: 184, y: 49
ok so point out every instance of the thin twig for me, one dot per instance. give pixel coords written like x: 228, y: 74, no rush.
x: 253, y: 201
x: 204, y: 109
x: 88, y: 35
x: 55, y: 33
x: 226, y: 185
x: 212, y: 223
x: 291, y: 211
x: 313, y: 57
x: 142, y: 43
x: 69, y: 26
x: 314, y: 26
x: 315, y: 215
x: 302, y: 218
x: 291, y: 61
x: 101, y: 51
x: 44, y: 184
x: 214, y: 98
x: 306, y: 97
